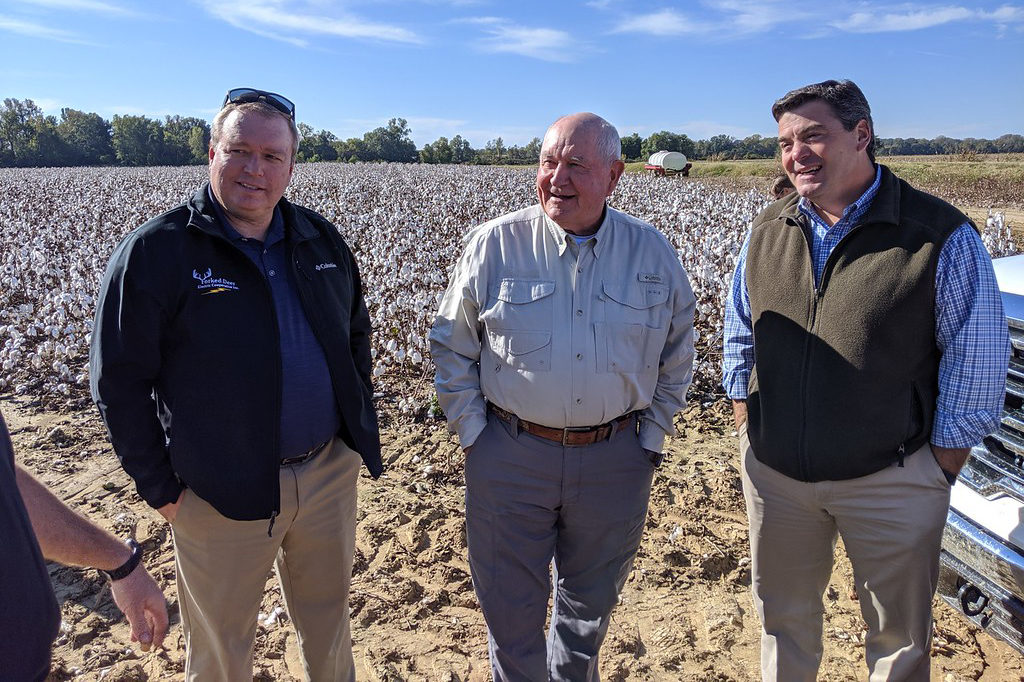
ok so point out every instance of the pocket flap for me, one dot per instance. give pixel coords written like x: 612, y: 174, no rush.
x: 522, y: 290
x: 519, y: 342
x: 637, y: 295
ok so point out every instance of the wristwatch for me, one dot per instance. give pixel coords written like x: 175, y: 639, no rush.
x: 127, y: 567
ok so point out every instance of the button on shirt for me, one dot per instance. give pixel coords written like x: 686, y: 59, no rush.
x: 970, y: 328
x: 562, y: 333
x: 309, y: 412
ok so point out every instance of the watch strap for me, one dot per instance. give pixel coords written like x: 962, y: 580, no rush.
x: 128, y: 566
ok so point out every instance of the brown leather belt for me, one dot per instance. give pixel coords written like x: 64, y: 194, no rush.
x: 572, y: 435
x: 305, y: 456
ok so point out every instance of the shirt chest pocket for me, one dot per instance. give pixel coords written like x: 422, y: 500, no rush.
x: 518, y: 322
x: 632, y: 335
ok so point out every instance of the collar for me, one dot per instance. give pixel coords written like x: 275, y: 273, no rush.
x: 884, y: 206
x: 275, y: 232
x: 857, y: 208
x: 561, y: 236
x: 294, y: 225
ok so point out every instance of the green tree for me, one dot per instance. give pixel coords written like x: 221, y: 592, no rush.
x: 632, y: 146
x: 438, y: 151
x: 668, y: 142
x: 16, y: 131
x: 525, y: 155
x: 137, y: 140
x: 199, y: 144
x: 461, y: 151
x: 391, y: 143
x: 87, y: 137
x: 178, y: 147
x: 318, y: 146
x: 495, y: 151
x: 353, y: 149
x: 47, y: 148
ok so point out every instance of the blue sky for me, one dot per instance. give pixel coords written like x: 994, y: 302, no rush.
x: 486, y: 69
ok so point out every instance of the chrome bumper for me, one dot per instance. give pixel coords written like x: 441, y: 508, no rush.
x: 981, y: 577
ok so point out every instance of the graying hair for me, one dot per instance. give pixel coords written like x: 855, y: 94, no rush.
x: 608, y: 143
x: 845, y: 99
x: 258, y: 108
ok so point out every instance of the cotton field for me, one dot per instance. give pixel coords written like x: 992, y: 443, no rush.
x: 405, y: 224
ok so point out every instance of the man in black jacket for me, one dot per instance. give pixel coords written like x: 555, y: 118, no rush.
x: 231, y: 363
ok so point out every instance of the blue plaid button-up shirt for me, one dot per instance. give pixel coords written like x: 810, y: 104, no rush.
x: 970, y: 327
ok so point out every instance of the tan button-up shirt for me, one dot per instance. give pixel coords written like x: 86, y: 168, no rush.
x: 562, y: 334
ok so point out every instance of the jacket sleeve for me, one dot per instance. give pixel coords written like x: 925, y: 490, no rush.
x: 360, y: 328
x: 124, y: 364
x: 675, y: 369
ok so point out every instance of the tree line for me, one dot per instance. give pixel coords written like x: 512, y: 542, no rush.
x: 30, y: 138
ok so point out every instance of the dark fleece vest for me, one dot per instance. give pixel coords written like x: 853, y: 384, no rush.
x: 846, y: 374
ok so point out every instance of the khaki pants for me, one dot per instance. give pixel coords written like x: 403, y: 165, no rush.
x: 891, y: 523
x: 223, y: 564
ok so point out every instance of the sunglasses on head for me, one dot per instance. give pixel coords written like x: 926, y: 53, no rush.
x: 240, y: 95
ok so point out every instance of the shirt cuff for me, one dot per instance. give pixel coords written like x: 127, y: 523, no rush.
x: 735, y: 384
x: 651, y: 436
x: 962, y: 430
x: 470, y: 429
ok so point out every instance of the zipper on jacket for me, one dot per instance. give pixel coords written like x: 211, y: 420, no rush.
x: 803, y: 458
x: 277, y: 336
x: 900, y: 453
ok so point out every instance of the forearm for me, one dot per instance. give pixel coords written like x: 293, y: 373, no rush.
x: 65, y: 536
x: 739, y: 412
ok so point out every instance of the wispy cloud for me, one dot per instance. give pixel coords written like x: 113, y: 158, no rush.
x: 724, y: 19
x: 95, y: 6
x: 914, y: 20
x: 547, y: 44
x: 34, y: 30
x: 667, y: 22
x: 290, y: 21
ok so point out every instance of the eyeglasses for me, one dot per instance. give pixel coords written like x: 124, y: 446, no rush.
x: 239, y: 95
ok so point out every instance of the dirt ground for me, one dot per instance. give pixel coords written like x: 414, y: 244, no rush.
x: 685, y: 614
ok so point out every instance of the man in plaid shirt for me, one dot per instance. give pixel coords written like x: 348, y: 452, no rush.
x: 865, y: 353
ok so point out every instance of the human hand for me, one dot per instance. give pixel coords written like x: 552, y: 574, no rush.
x: 170, y: 510
x: 739, y: 412
x: 143, y: 604
x: 951, y: 459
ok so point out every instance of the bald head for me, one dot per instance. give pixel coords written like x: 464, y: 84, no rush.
x: 605, y: 136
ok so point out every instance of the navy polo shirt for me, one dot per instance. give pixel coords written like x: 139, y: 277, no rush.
x: 309, y: 412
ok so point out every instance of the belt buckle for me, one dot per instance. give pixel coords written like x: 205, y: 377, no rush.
x: 573, y: 429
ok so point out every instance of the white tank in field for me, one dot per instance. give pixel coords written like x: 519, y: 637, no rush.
x: 674, y: 161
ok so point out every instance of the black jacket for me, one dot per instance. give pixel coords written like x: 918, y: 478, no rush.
x: 184, y: 335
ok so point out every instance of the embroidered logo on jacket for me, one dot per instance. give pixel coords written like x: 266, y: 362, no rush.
x: 325, y: 266
x: 649, y: 277
x: 208, y: 284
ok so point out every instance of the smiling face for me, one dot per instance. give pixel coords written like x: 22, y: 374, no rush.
x: 250, y: 167
x: 826, y: 163
x: 574, y: 176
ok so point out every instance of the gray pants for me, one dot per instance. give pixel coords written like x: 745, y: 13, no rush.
x: 530, y: 500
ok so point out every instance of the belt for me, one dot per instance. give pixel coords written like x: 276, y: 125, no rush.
x: 571, y: 435
x: 305, y: 456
